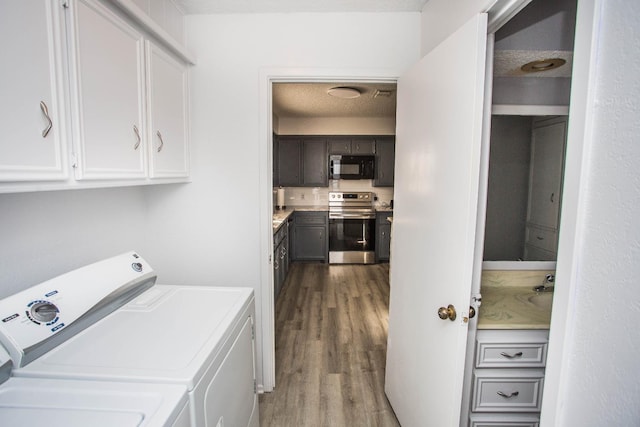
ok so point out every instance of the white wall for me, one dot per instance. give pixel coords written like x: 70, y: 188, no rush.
x: 46, y: 234
x: 600, y: 374
x: 209, y: 231
x: 336, y: 126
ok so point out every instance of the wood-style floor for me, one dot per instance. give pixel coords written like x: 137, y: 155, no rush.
x: 331, y: 338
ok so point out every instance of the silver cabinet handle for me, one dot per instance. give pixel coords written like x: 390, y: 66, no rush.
x: 138, y: 139
x: 508, y: 396
x: 511, y: 356
x: 161, y: 141
x: 45, y: 111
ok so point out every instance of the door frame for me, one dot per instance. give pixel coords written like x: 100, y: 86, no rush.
x: 268, y: 76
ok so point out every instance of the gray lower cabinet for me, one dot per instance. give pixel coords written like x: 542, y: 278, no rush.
x: 280, y: 258
x: 508, y: 377
x: 385, y: 161
x: 383, y: 236
x: 310, y: 236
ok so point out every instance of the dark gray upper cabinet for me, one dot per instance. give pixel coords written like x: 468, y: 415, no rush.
x: 351, y: 145
x: 363, y: 145
x: 289, y: 166
x: 276, y: 173
x: 302, y: 162
x: 339, y: 145
x: 385, y: 160
x: 314, y: 162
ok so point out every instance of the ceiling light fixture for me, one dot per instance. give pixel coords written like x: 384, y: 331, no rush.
x: 543, y: 65
x: 344, y: 92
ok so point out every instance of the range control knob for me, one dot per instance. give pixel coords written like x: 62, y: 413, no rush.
x: 137, y: 266
x: 43, y: 311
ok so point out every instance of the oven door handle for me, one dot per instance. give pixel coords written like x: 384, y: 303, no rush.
x: 351, y: 216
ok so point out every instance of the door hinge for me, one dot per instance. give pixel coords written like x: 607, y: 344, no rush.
x: 255, y: 386
x: 253, y: 332
x: 74, y: 160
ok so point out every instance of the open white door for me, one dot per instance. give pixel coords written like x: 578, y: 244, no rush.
x: 439, y: 133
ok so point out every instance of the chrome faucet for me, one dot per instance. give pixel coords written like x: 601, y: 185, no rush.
x: 546, y: 287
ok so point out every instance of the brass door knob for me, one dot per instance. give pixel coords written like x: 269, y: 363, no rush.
x: 447, y: 313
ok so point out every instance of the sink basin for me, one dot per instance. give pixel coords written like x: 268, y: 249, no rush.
x: 541, y: 300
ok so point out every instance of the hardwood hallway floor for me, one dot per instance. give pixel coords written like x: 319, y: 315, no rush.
x: 331, y: 338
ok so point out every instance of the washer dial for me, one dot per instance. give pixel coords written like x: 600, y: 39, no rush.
x: 43, y: 311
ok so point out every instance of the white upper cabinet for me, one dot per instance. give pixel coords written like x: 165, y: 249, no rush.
x: 168, y: 125
x: 32, y: 123
x: 107, y: 69
x: 95, y: 94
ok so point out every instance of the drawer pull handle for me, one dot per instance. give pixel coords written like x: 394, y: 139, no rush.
x: 508, y: 396
x: 511, y: 356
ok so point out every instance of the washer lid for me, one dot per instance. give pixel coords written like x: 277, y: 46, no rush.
x: 66, y: 403
x: 34, y: 321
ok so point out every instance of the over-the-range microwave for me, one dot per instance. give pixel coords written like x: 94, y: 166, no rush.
x: 351, y: 167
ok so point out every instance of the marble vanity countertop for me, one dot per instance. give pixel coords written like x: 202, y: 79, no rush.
x: 509, y: 301
x: 514, y: 307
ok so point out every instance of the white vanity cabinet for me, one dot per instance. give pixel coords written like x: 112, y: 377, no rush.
x: 508, y: 377
x: 32, y: 122
x: 108, y: 83
x: 168, y: 124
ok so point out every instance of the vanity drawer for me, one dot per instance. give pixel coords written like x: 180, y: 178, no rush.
x: 499, y: 390
x: 511, y: 349
x: 543, y: 239
x: 504, y: 420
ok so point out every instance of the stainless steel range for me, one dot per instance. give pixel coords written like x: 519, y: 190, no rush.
x: 352, y: 224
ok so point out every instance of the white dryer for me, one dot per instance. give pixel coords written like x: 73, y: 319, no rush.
x: 72, y: 403
x: 197, y: 336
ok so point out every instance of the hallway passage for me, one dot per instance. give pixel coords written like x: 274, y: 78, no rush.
x: 331, y: 336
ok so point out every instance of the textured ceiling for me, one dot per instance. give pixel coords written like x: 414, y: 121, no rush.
x: 197, y: 7
x: 312, y: 100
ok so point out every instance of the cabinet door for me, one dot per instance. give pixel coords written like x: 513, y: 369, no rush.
x: 30, y: 42
x: 311, y: 243
x: 339, y: 145
x: 168, y: 131
x: 108, y: 70
x: 289, y: 162
x: 385, y: 161
x: 315, y: 163
x: 547, y: 154
x: 383, y: 240
x: 363, y: 146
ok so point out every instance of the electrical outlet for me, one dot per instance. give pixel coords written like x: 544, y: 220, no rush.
x: 301, y: 196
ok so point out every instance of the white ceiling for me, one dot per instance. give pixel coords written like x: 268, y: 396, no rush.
x: 311, y: 100
x: 199, y: 7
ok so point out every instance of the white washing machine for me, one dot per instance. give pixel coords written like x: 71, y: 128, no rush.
x: 196, y: 336
x: 72, y: 403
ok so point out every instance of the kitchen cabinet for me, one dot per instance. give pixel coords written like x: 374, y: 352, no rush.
x: 310, y: 236
x: 351, y: 145
x: 32, y: 146
x: 383, y: 236
x: 508, y: 377
x: 314, y: 163
x: 168, y: 102
x: 385, y: 162
x: 107, y: 67
x: 289, y: 162
x: 302, y: 162
x: 274, y: 159
x: 545, y: 188
x: 280, y: 258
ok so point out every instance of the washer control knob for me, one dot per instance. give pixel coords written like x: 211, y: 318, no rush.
x: 44, y: 311
x: 137, y: 266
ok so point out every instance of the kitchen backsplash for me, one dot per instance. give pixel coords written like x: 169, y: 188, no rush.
x: 319, y: 196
